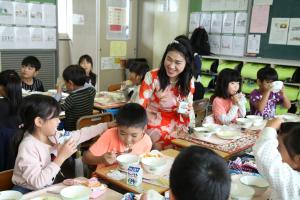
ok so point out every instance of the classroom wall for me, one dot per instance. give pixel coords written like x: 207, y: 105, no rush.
x: 167, y: 25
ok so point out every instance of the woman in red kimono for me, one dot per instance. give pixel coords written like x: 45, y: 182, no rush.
x: 167, y: 95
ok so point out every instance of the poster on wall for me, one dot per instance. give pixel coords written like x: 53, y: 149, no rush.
x: 21, y: 14
x: 253, y: 43
x: 228, y: 22
x: 35, y: 14
x: 22, y: 37
x: 49, y: 14
x: 194, y: 21
x: 6, y: 12
x: 294, y: 32
x: 36, y: 38
x: 7, y: 39
x: 118, y: 20
x: 238, y: 45
x: 216, y: 23
x: 49, y: 37
x: 279, y: 30
x: 226, y: 45
x: 205, y: 21
x: 215, y: 43
x: 240, y: 24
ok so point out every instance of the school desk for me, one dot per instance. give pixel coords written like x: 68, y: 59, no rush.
x: 181, y: 143
x: 55, y: 189
x: 102, y: 173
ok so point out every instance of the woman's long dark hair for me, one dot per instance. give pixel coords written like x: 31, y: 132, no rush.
x: 33, y: 106
x: 11, y: 82
x: 182, y: 46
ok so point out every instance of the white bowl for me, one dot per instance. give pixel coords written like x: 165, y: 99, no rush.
x: 257, y: 120
x: 277, y: 86
x: 241, y: 192
x: 10, y: 194
x: 52, y: 91
x: 76, y: 192
x: 125, y: 160
x: 212, y: 127
x: 46, y: 198
x: 154, y: 165
x: 228, y: 134
x: 258, y: 183
x: 291, y: 118
x: 202, y: 132
x: 244, y: 122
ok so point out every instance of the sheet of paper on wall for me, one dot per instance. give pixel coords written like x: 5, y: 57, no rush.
x: 279, y: 30
x: 194, y: 21
x: 228, y: 22
x: 118, y: 48
x: 253, y: 43
x: 216, y: 22
x: 49, y: 14
x: 6, y: 12
x: 49, y: 38
x: 35, y: 14
x: 78, y: 19
x: 215, y: 43
x: 294, y: 32
x: 110, y: 63
x: 21, y: 14
x: 226, y: 45
x: 36, y: 38
x: 213, y: 5
x: 23, y: 37
x: 263, y: 2
x: 238, y: 45
x: 205, y: 21
x: 235, y: 5
x: 117, y: 16
x: 7, y: 39
x: 259, y: 18
x: 240, y: 24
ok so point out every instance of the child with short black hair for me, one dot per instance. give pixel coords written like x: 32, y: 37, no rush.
x: 86, y: 62
x: 228, y: 103
x: 80, y: 102
x: 29, y: 70
x: 263, y: 101
x: 277, y: 156
x: 128, y: 136
x: 38, y: 139
x: 137, y: 71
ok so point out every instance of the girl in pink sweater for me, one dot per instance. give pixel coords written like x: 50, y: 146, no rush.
x: 229, y: 103
x: 34, y: 168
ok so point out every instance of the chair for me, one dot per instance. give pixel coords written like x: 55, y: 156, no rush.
x: 5, y: 180
x: 201, y: 110
x: 114, y: 87
x: 89, y: 120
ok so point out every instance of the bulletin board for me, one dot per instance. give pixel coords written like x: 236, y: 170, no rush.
x: 28, y: 24
x: 280, y: 9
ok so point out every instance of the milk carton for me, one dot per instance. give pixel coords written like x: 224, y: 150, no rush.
x: 134, y: 175
x: 62, y: 136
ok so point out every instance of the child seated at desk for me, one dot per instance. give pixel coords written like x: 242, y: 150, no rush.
x: 80, y: 102
x: 263, y: 101
x: 35, y: 168
x: 277, y: 156
x: 128, y: 136
x: 30, y: 68
x: 137, y: 71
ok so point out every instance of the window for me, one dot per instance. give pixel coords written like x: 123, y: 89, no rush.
x: 65, y: 12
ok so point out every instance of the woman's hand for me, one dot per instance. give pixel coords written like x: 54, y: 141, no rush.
x: 274, y: 123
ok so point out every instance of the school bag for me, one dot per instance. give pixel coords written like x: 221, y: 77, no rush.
x: 199, y: 41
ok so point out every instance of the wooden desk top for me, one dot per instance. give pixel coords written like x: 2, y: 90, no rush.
x: 108, y: 106
x: 184, y: 143
x: 109, y: 194
x: 102, y: 173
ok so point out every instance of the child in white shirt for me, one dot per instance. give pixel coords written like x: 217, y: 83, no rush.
x: 278, y: 158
